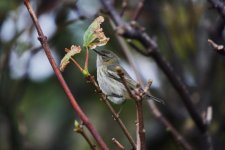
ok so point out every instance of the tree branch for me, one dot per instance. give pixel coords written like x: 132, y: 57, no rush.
x: 43, y: 40
x: 118, y: 144
x: 177, y: 136
x: 93, y: 82
x: 152, y: 50
x: 139, y: 108
x: 79, y: 129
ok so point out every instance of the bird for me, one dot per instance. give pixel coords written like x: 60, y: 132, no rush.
x: 110, y: 82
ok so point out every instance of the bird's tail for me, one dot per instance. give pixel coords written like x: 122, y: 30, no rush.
x: 155, y: 98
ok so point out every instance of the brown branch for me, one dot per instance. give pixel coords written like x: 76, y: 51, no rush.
x: 177, y: 136
x: 151, y: 46
x: 43, y: 40
x: 140, y: 125
x: 139, y: 107
x: 138, y: 10
x: 219, y: 48
x: 79, y: 129
x: 93, y: 82
x: 118, y: 144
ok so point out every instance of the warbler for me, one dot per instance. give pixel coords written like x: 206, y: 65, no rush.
x: 110, y: 82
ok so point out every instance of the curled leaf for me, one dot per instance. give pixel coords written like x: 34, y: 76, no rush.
x: 70, y: 52
x: 94, y: 35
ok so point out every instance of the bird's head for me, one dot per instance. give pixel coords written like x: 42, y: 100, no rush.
x: 106, y: 57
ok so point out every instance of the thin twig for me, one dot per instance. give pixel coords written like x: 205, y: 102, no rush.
x: 177, y: 136
x: 219, y: 48
x: 118, y: 144
x: 124, y: 7
x: 43, y: 40
x: 79, y: 129
x: 140, y: 120
x: 77, y: 64
x: 93, y: 82
x: 138, y: 10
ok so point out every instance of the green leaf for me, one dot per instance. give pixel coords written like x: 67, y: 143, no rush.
x: 94, y: 35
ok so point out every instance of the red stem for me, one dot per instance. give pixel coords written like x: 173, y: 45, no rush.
x: 43, y: 40
x: 77, y: 64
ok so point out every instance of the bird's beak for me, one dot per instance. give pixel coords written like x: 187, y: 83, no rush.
x: 98, y: 52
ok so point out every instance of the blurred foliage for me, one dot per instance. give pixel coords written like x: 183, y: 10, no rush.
x: 34, y: 111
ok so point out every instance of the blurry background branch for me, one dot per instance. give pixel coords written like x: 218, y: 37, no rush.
x: 138, y: 10
x: 219, y: 5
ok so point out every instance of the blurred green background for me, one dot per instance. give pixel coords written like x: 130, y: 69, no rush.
x: 34, y: 111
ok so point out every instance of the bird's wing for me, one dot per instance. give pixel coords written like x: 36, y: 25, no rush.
x: 111, y: 70
x: 113, y: 74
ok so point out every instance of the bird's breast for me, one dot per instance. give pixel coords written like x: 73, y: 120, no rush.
x: 110, y: 86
